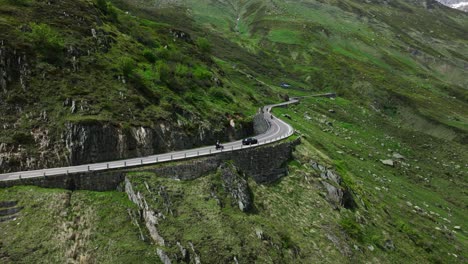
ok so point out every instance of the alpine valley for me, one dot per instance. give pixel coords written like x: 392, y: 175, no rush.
x: 376, y: 174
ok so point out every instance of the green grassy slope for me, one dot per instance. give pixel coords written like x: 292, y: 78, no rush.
x: 58, y: 226
x: 398, y: 67
x: 109, y: 67
x: 401, y: 54
x: 416, y: 204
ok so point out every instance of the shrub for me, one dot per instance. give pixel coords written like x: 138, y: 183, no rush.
x: 108, y: 9
x: 165, y: 74
x: 163, y: 53
x: 112, y: 13
x: 102, y: 5
x: 201, y: 73
x: 204, y: 45
x: 181, y: 70
x: 126, y: 66
x: 149, y: 56
x: 46, y: 40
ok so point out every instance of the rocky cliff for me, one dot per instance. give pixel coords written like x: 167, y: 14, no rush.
x: 89, y: 143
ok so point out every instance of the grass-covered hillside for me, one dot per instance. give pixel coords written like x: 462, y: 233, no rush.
x: 410, y: 54
x: 380, y: 175
x: 70, y: 66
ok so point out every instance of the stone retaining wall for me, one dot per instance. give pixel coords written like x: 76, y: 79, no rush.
x: 264, y: 164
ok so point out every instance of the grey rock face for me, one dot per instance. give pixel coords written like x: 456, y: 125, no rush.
x: 82, y: 143
x: 236, y: 184
x: 163, y: 256
x: 338, y: 194
x: 14, y: 67
x: 150, y: 217
x: 97, y: 142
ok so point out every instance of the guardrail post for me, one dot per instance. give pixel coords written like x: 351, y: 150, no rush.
x: 44, y: 174
x: 125, y: 164
x: 20, y: 176
x: 88, y: 167
x: 171, y: 157
x: 67, y: 172
x: 185, y: 155
x: 107, y: 165
x: 141, y: 161
x: 232, y: 148
x: 209, y: 151
x: 157, y: 158
x: 198, y: 153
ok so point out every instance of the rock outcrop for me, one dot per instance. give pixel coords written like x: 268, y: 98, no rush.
x: 96, y: 142
x: 338, y: 193
x: 236, y: 185
x: 14, y: 68
x: 150, y: 218
x: 82, y: 143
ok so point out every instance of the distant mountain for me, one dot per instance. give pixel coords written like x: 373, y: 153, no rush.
x: 458, y: 4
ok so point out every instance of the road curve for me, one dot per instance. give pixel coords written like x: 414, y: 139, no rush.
x: 278, y: 130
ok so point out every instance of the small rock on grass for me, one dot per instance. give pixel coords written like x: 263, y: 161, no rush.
x: 388, y: 162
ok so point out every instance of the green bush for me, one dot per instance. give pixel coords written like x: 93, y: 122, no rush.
x: 204, y: 45
x: 126, y: 66
x: 149, y: 56
x: 201, y: 73
x: 112, y: 13
x: 165, y: 74
x: 102, y: 5
x: 108, y: 9
x: 46, y: 40
x: 163, y: 53
x: 181, y: 70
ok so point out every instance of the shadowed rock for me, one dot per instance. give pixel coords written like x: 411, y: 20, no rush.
x: 236, y: 185
x: 338, y: 193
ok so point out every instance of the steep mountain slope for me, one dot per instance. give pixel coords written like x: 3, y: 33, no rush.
x: 387, y: 55
x: 380, y: 174
x: 84, y: 82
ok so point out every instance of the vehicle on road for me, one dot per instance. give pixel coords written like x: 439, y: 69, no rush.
x: 249, y: 141
x: 219, y: 147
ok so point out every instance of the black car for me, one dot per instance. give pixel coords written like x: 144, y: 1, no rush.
x: 249, y: 141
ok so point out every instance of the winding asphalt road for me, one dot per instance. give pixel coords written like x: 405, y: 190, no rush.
x: 277, y: 131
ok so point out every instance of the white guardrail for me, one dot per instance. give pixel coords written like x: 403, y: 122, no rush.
x: 159, y: 158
